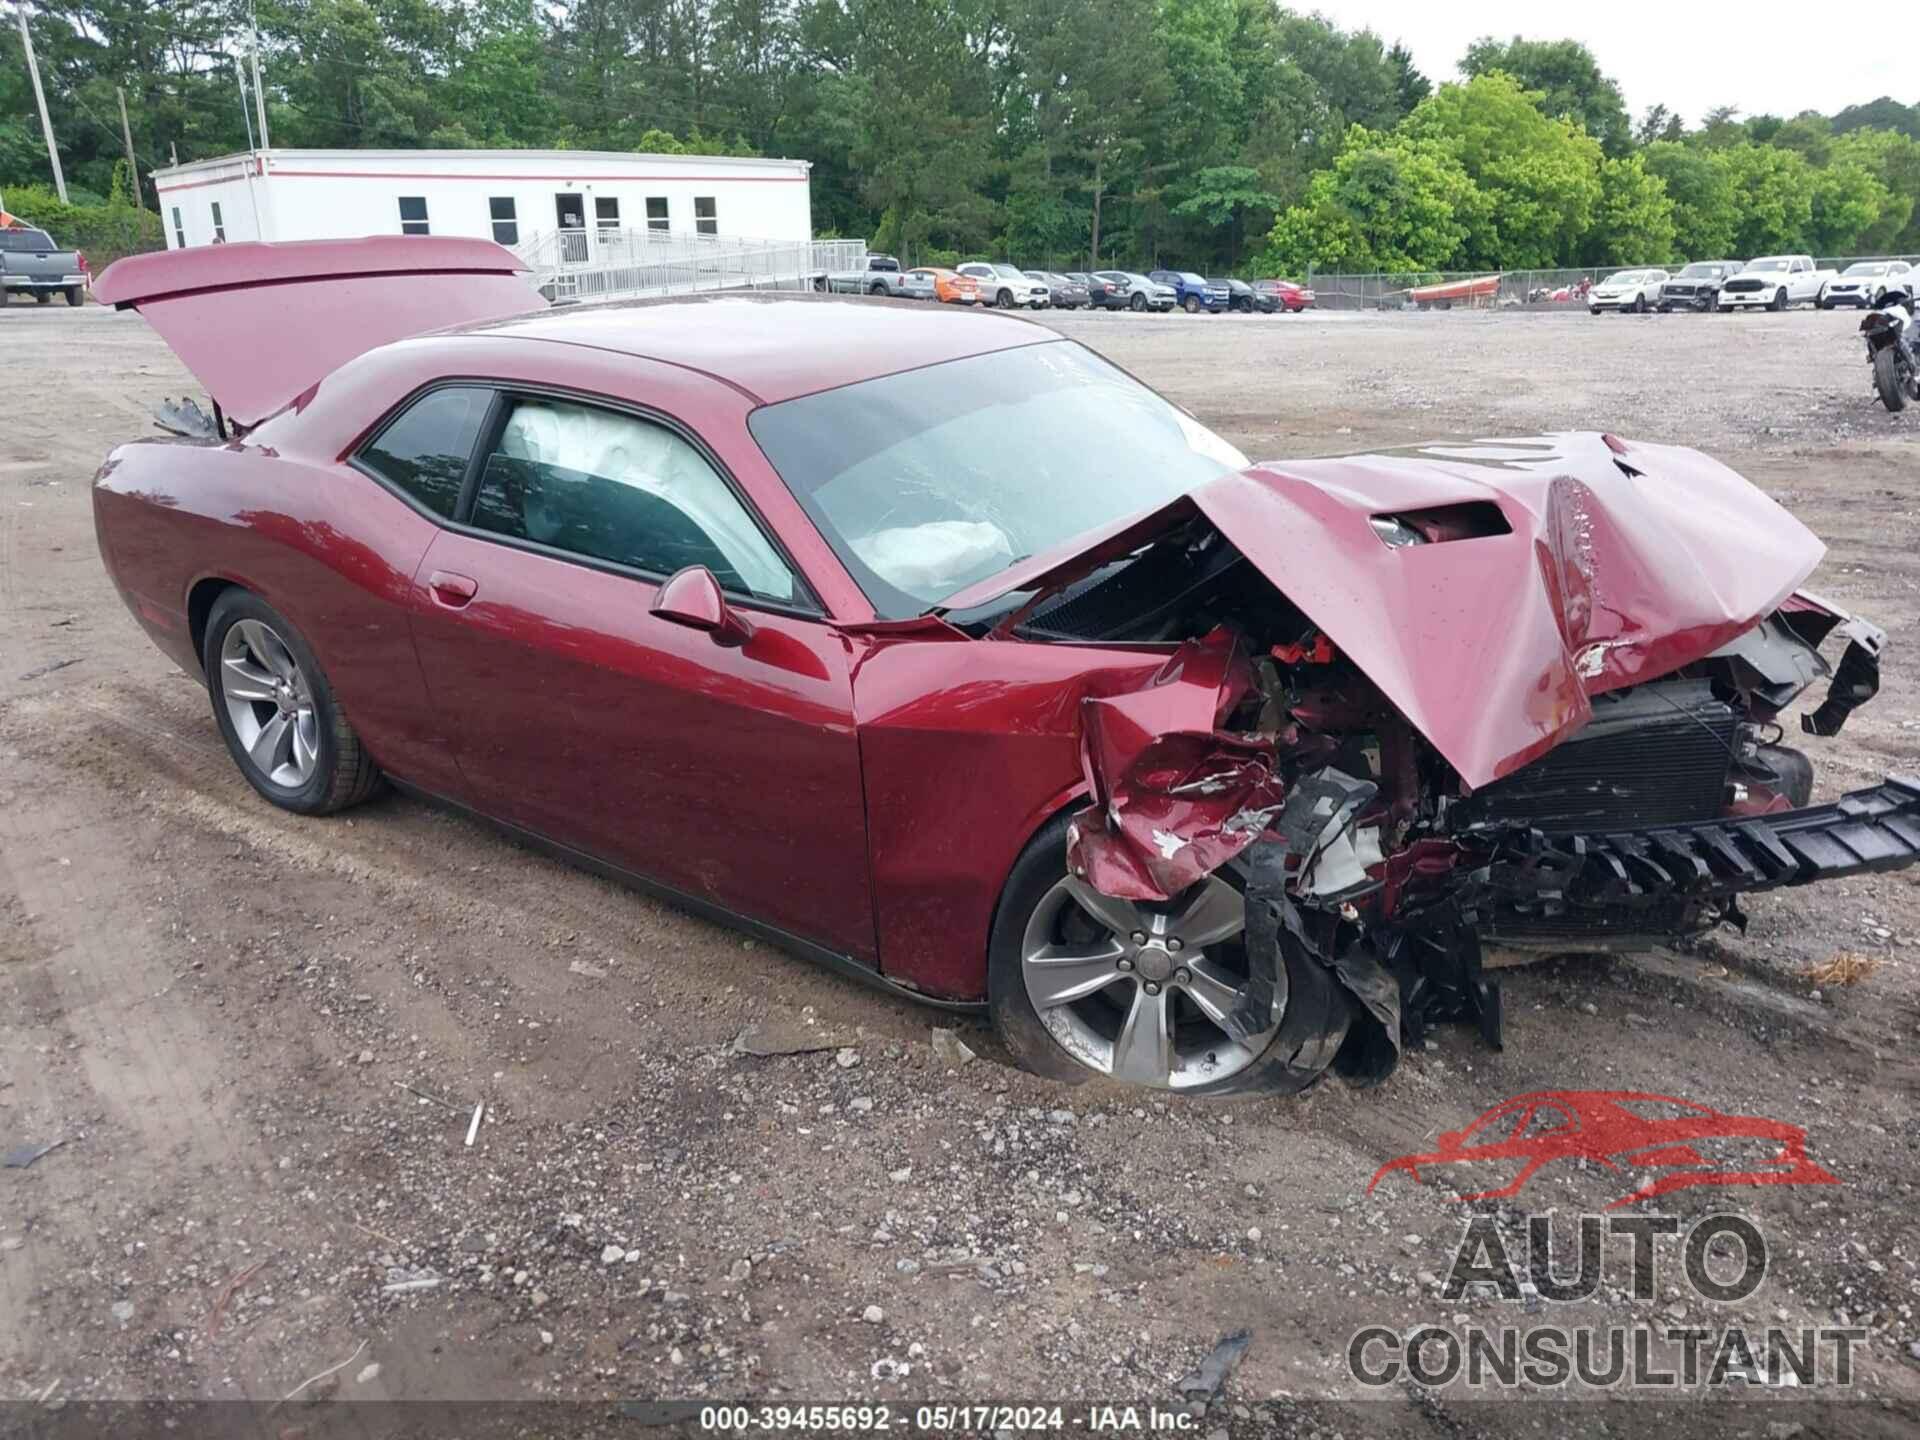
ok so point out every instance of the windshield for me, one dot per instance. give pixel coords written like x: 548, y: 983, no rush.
x: 1625, y: 277
x: 1007, y: 272
x: 927, y: 481
x: 1699, y: 271
x: 1767, y: 265
x: 1192, y: 279
x: 1869, y: 268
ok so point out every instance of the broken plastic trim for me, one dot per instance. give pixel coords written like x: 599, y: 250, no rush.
x: 1855, y: 681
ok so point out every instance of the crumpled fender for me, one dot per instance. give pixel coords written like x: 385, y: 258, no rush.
x: 1174, y: 796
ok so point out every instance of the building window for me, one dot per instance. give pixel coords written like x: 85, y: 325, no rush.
x: 179, y: 231
x: 219, y: 225
x: 657, y: 213
x: 506, y: 223
x: 413, y: 215
x: 705, y: 220
x: 606, y: 212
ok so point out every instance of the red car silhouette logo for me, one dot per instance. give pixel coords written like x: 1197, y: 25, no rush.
x: 1679, y: 1143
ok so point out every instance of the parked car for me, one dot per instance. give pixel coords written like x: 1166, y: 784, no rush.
x: 1775, y: 282
x: 1007, y: 287
x: 591, y: 589
x: 1141, y: 293
x: 1293, y: 296
x: 31, y: 264
x: 1192, y: 292
x: 1634, y: 291
x: 1866, y: 282
x: 1102, y: 294
x: 1063, y: 291
x: 1697, y: 286
x: 881, y: 275
x: 1242, y: 296
x: 949, y: 287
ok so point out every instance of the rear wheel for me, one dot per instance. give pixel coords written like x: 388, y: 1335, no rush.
x: 277, y: 712
x: 1886, y: 379
x: 1084, y: 985
x: 877, y: 288
x: 75, y: 296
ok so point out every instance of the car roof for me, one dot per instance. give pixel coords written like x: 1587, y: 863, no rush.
x: 775, y: 347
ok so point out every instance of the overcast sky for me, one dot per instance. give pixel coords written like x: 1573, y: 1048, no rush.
x: 1677, y: 55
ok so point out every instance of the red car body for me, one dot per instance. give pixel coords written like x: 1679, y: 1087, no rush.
x: 1621, y: 1131
x: 1293, y: 296
x: 857, y: 786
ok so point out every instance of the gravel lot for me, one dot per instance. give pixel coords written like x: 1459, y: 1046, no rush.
x: 235, y: 1017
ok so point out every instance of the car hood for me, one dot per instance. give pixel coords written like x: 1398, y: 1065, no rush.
x: 258, y: 323
x: 1580, y: 564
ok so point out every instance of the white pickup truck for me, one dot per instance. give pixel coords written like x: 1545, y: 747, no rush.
x: 1775, y: 282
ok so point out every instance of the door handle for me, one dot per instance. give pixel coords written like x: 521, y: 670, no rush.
x: 451, y: 590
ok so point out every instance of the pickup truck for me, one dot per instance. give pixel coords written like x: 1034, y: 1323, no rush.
x: 31, y: 264
x: 1775, y: 282
x: 880, y: 276
x: 1192, y: 293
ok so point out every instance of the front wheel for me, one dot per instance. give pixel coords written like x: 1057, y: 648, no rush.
x: 1779, y: 299
x: 1004, y: 300
x: 277, y: 713
x: 1084, y: 985
x: 1139, y: 302
x: 1886, y: 379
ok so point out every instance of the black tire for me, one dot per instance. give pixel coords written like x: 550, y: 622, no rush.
x: 344, y: 773
x: 75, y: 296
x: 877, y: 288
x: 1004, y: 300
x: 1779, y: 299
x: 43, y: 297
x: 1720, y: 309
x: 1312, y: 1027
x: 1665, y: 309
x: 1191, y: 305
x: 1886, y: 379
x: 1138, y: 302
x: 1639, y: 305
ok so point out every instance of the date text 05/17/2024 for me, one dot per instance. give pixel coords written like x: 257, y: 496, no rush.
x: 946, y: 1419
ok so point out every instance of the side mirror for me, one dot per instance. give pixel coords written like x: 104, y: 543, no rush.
x: 692, y: 598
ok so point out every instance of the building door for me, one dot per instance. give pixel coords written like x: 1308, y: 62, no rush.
x: 570, y: 213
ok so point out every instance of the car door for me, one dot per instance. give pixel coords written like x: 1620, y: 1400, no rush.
x: 729, y: 773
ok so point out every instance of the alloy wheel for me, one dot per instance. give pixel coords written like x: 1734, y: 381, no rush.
x: 1140, y: 992
x: 270, y: 704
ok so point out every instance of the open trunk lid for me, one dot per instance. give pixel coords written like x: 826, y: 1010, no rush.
x: 1551, y: 569
x: 259, y: 323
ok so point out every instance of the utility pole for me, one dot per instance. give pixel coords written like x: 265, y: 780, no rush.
x: 259, y: 90
x: 40, y: 96
x: 126, y: 133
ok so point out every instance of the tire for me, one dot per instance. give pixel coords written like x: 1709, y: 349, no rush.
x: 1004, y: 300
x: 76, y: 297
x: 1191, y: 305
x: 1639, y: 305
x: 1138, y: 302
x: 339, y: 771
x: 1719, y: 309
x: 1886, y: 379
x: 43, y: 297
x: 876, y: 289
x: 1300, y: 1047
x: 1779, y: 299
x: 1665, y: 309
x: 1593, y: 309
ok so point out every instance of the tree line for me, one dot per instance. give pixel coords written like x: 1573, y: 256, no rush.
x: 1213, y: 134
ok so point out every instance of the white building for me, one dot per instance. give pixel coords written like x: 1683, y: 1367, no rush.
x: 553, y: 206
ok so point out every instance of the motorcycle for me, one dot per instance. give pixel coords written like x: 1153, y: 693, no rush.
x: 1890, y: 340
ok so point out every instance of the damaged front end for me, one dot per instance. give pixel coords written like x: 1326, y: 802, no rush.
x: 1563, y: 741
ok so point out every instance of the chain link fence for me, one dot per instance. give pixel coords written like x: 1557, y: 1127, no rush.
x: 1542, y: 290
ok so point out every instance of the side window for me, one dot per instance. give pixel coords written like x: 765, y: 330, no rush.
x: 501, y: 212
x: 413, y: 215
x: 219, y: 225
x: 179, y: 231
x: 606, y: 211
x: 424, y: 450
x: 706, y: 219
x: 657, y: 214
x: 614, y: 487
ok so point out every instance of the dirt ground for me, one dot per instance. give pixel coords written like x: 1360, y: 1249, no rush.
x: 235, y: 1018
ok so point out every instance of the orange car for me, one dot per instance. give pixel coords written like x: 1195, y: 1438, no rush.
x: 949, y: 287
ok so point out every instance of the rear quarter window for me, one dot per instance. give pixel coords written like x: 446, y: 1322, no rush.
x: 424, y: 450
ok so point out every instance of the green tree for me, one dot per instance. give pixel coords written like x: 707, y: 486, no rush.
x: 1700, y: 187
x: 1846, y: 201
x: 1223, y: 197
x: 1539, y: 175
x: 1773, y: 198
x: 1893, y: 159
x: 1568, y: 79
x: 1886, y: 113
x: 1389, y: 202
x: 1634, y: 221
x: 1658, y: 123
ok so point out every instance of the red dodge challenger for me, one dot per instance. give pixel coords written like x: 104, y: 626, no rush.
x: 936, y: 647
